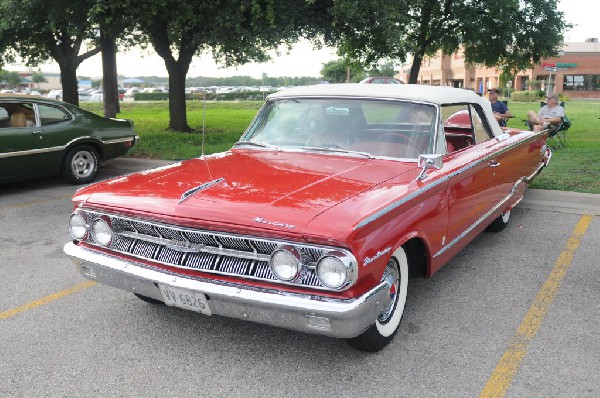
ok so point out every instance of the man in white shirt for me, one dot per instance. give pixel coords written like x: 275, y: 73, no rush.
x: 549, y: 117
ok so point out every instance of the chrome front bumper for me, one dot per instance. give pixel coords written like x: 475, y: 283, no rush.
x: 307, y: 313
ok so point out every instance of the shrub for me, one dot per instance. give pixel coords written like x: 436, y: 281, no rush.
x: 236, y: 96
x: 507, y: 92
x: 151, y: 96
x: 526, y: 96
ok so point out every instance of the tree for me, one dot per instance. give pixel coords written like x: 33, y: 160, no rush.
x: 10, y: 79
x: 516, y: 33
x: 37, y: 78
x: 115, y: 22
x: 55, y: 29
x: 235, y: 31
x: 337, y: 71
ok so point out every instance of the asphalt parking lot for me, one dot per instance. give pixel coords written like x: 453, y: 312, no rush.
x: 515, y: 314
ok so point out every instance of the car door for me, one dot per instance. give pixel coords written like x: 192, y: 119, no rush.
x: 477, y: 179
x: 23, y: 150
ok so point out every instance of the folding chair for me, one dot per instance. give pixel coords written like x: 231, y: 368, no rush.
x: 558, y: 137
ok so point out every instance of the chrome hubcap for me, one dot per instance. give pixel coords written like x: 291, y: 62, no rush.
x: 83, y: 164
x: 392, y: 277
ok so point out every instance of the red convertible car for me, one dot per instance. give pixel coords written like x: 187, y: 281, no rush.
x: 316, y: 218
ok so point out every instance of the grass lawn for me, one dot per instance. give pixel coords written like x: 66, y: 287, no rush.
x: 577, y: 166
x: 574, y: 168
x: 224, y: 124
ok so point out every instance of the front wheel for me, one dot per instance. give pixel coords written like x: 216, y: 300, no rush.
x: 80, y: 165
x: 380, y: 333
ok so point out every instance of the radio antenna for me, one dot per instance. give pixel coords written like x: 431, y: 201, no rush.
x: 203, y: 116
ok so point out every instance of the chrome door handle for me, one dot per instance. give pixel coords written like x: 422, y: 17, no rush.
x: 493, y: 163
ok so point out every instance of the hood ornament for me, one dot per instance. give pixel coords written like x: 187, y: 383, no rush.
x: 202, y: 187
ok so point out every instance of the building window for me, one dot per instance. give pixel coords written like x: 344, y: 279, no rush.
x: 524, y: 83
x: 581, y: 82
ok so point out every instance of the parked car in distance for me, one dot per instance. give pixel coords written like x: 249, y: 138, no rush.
x: 316, y: 218
x: 97, y: 97
x: 55, y: 95
x: 130, y: 92
x: 42, y: 137
x: 381, y: 80
x: 84, y: 95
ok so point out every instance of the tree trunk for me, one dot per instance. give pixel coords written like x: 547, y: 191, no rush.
x: 415, y: 68
x: 65, y: 54
x: 177, y: 108
x: 68, y: 79
x: 109, y: 76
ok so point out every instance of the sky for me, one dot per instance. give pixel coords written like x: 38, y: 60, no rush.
x: 303, y: 60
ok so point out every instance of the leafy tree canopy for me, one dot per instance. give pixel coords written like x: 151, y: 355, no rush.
x: 39, y: 30
x: 235, y: 31
x: 513, y: 33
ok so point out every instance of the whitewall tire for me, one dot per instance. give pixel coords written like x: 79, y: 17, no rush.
x: 387, y: 323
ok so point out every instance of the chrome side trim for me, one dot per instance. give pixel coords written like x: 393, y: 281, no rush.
x: 118, y: 140
x: 60, y: 147
x: 30, y: 152
x: 348, y: 317
x: 485, y: 216
x: 394, y: 205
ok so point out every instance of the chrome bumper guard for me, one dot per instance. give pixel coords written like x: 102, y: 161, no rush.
x: 307, y: 313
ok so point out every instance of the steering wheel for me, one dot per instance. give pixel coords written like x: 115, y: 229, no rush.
x: 394, y: 137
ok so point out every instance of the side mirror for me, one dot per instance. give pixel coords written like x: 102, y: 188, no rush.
x: 427, y: 162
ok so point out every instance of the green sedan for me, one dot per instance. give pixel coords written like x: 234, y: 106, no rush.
x: 42, y: 137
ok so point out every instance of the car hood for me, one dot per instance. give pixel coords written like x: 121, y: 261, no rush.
x: 245, y: 189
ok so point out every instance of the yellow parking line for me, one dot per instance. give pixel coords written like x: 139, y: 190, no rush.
x: 46, y: 300
x: 498, y: 383
x: 36, y: 202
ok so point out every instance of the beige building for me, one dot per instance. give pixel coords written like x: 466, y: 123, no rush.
x: 53, y: 82
x: 574, y: 73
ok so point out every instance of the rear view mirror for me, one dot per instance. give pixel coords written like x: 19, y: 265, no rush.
x: 427, y: 162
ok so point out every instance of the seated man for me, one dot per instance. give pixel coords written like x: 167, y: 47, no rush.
x: 501, y: 112
x: 549, y: 117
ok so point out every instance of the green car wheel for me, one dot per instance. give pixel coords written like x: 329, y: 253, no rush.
x: 80, y: 165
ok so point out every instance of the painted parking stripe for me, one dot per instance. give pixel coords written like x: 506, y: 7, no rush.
x: 498, y: 383
x: 46, y: 300
x: 36, y: 202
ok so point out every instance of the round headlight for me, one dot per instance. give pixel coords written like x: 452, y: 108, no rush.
x: 102, y: 232
x: 286, y: 263
x: 77, y: 226
x: 335, y: 270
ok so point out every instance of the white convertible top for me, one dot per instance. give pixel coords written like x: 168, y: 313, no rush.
x: 413, y: 92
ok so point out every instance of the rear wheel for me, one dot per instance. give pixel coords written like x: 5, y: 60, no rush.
x: 80, y: 165
x: 499, y: 223
x: 383, y: 330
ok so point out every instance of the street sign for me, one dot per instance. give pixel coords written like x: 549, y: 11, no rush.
x: 551, y: 69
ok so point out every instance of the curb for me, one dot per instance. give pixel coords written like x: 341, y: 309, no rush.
x: 561, y: 201
x: 537, y: 199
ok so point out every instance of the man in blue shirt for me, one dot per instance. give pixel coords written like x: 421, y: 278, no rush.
x: 501, y: 112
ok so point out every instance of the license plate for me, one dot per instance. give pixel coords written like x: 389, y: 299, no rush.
x: 185, y: 299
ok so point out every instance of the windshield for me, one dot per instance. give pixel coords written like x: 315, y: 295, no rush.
x: 397, y: 129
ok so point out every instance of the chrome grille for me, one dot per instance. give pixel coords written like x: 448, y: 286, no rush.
x: 207, y: 251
